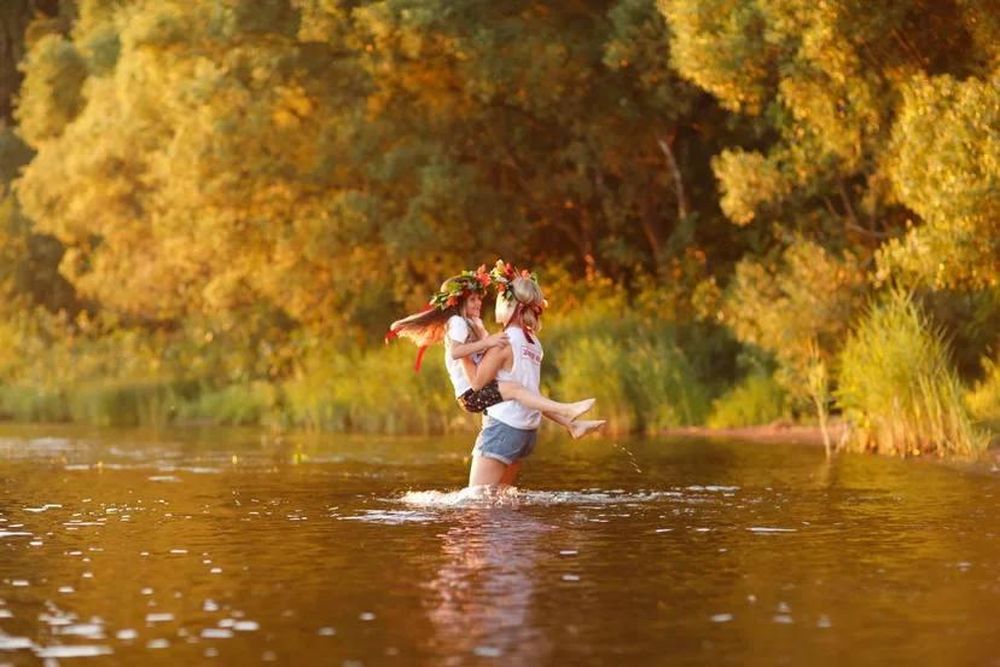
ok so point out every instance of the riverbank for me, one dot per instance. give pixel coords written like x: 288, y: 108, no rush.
x: 777, y: 432
x: 786, y: 433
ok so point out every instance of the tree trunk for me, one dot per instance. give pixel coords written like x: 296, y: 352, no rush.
x: 668, y: 154
x: 650, y: 231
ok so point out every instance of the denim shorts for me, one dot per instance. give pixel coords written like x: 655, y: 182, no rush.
x: 504, y: 443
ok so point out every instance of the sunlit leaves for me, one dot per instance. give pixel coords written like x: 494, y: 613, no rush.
x: 798, y: 309
x: 263, y: 172
x: 52, y: 92
x: 946, y: 168
x: 721, y: 46
x: 182, y: 180
x: 748, y: 180
x: 828, y: 79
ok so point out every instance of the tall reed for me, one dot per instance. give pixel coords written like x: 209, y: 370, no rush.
x: 373, y: 391
x: 898, y: 389
x: 146, y: 402
x: 641, y: 378
x: 251, y: 403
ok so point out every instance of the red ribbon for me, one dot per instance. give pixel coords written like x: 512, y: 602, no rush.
x: 517, y: 311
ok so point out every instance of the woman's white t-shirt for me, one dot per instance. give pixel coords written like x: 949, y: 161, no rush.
x: 456, y: 333
x: 526, y: 371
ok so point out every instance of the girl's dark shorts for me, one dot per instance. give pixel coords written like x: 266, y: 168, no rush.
x: 477, y: 401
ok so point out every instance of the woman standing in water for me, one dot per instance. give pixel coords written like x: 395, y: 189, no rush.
x: 510, y: 429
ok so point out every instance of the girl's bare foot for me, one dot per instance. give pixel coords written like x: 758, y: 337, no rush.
x: 574, y: 410
x: 582, y: 428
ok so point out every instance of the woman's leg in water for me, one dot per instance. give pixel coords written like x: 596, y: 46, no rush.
x: 510, y: 474
x: 512, y: 391
x: 486, y: 470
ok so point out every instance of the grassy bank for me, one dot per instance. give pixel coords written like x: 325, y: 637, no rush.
x: 644, y: 373
x: 896, y: 390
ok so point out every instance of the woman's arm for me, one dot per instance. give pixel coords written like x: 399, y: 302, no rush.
x: 469, y: 368
x: 495, y: 359
x: 461, y: 350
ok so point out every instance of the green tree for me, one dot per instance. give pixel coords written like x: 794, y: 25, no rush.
x: 321, y: 158
x: 798, y: 309
x: 826, y: 83
x: 875, y: 136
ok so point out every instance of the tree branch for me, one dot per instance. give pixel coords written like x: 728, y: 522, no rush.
x: 846, y: 199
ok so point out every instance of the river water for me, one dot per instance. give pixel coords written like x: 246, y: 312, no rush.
x: 232, y: 547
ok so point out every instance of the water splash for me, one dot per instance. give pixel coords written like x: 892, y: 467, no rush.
x: 473, y: 496
x: 78, y: 651
x: 511, y: 496
x: 765, y: 530
x: 390, y: 517
x: 628, y: 453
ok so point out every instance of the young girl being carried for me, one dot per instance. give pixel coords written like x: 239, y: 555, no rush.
x: 453, y: 316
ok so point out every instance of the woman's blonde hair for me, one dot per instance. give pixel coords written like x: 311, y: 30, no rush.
x: 529, y: 295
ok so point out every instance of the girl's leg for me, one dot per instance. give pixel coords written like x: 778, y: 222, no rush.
x: 512, y: 391
x: 576, y: 428
x: 486, y: 470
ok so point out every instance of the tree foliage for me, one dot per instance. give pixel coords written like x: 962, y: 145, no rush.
x: 945, y: 166
x: 197, y: 158
x: 262, y: 174
x: 878, y: 114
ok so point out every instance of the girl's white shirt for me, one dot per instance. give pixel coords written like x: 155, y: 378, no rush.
x: 526, y: 370
x: 457, y: 332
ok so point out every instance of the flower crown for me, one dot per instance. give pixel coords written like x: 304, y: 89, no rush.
x: 465, y: 283
x: 503, y: 274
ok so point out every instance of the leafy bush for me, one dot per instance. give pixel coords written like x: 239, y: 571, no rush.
x: 33, y: 404
x: 758, y: 399
x: 149, y: 402
x: 984, y: 398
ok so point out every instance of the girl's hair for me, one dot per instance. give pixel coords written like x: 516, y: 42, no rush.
x: 428, y: 326
x: 424, y: 328
x: 528, y: 295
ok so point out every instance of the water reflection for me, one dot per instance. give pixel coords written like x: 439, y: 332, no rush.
x: 480, y: 601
